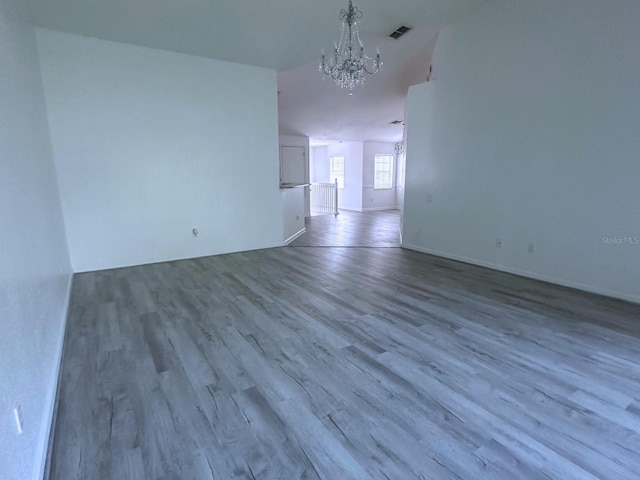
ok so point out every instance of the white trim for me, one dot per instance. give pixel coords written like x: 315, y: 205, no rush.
x: 52, y: 395
x: 392, y: 165
x: 376, y: 209
x: 525, y: 273
x: 371, y: 187
x: 295, y: 235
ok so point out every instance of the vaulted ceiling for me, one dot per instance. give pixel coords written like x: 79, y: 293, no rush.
x: 285, y: 35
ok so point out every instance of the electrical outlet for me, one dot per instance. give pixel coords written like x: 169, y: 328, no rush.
x: 532, y: 247
x: 195, y: 232
x: 499, y: 243
x: 17, y: 413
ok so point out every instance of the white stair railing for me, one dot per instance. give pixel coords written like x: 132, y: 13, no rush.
x: 324, y: 198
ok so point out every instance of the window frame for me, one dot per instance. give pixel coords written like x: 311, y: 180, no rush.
x: 332, y: 171
x: 378, y: 185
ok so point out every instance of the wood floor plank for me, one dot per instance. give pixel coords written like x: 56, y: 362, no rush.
x: 286, y: 456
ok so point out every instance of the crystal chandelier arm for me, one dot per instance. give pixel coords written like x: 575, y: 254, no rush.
x: 377, y: 64
x: 325, y: 70
x: 376, y: 67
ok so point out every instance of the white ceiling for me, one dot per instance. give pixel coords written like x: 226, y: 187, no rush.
x: 286, y: 35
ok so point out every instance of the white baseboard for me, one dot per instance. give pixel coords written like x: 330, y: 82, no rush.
x: 525, y: 273
x: 377, y: 209
x: 52, y: 396
x: 295, y: 235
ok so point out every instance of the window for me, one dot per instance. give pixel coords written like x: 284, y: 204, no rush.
x: 383, y: 171
x: 336, y: 169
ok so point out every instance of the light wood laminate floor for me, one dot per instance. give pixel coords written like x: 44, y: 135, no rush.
x: 352, y: 229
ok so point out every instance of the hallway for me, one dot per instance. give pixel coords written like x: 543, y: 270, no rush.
x: 352, y: 229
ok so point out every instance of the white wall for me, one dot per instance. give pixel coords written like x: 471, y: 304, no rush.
x: 373, y: 199
x: 400, y: 171
x: 34, y: 265
x: 151, y: 144
x: 319, y: 164
x: 350, y: 197
x: 292, y: 213
x: 529, y: 133
x: 300, y: 141
x: 358, y: 193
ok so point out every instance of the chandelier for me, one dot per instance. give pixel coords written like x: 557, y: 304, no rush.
x: 349, y: 63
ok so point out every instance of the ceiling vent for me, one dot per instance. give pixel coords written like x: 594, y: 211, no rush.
x: 399, y: 32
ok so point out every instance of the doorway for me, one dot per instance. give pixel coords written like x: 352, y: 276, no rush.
x: 352, y: 229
